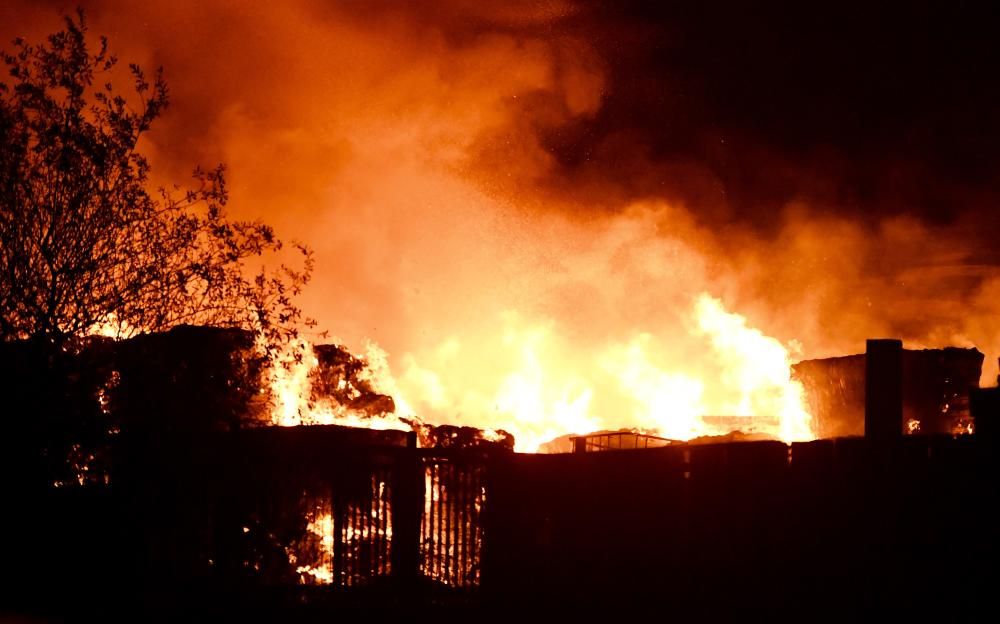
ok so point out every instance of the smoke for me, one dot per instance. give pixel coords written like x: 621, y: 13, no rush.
x: 466, y: 177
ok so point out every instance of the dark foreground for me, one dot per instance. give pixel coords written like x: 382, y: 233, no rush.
x: 820, y: 530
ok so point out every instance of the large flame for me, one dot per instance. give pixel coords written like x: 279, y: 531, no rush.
x: 427, y: 154
x: 294, y: 403
x: 530, y: 380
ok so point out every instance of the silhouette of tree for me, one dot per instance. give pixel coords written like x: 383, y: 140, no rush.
x: 84, y: 246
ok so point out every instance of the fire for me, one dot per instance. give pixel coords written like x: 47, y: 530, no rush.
x: 293, y: 403
x: 344, y: 547
x: 760, y: 371
x: 531, y: 381
x: 322, y: 573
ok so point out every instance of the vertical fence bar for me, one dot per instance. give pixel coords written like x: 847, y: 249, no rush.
x: 337, y: 513
x: 453, y: 514
x: 359, y: 538
x: 460, y: 521
x: 446, y: 504
x: 350, y: 542
x: 884, y: 390
x: 439, y: 548
x: 425, y: 522
x: 470, y: 512
x: 457, y: 515
x: 383, y: 524
x: 439, y: 568
x: 376, y: 523
x: 367, y: 511
x: 467, y: 522
x: 380, y: 510
x: 375, y: 533
x: 371, y: 522
x: 477, y: 510
x: 463, y: 503
x: 406, y: 506
x: 383, y: 529
x: 387, y: 514
x: 436, y: 516
x: 433, y: 520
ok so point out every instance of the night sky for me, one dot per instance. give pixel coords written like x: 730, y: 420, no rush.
x: 864, y: 108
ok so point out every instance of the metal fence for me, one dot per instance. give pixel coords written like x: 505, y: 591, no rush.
x: 451, y: 529
x: 349, y: 515
x: 746, y: 520
x: 348, y: 537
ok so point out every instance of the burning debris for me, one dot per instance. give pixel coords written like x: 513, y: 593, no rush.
x: 530, y: 379
x: 538, y: 399
x: 740, y: 370
x: 326, y: 385
x: 936, y: 384
x: 452, y: 437
x: 345, y: 378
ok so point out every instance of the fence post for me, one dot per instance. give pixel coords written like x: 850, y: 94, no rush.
x: 407, y: 506
x: 984, y: 404
x: 884, y: 390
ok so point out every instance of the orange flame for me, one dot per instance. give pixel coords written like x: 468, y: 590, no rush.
x: 530, y: 383
x: 322, y: 572
x: 293, y: 402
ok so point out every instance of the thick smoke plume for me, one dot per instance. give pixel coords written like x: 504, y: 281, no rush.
x: 442, y: 162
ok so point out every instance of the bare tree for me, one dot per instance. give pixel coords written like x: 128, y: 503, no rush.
x: 84, y: 245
